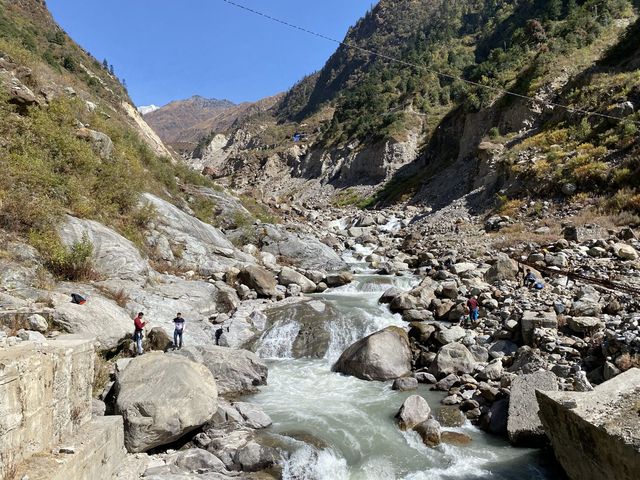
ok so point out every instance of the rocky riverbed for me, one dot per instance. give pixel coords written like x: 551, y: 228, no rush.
x: 375, y: 297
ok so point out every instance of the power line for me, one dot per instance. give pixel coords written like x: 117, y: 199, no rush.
x: 430, y: 70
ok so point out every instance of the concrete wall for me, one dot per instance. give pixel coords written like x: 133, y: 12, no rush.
x: 45, y: 395
x: 596, y: 435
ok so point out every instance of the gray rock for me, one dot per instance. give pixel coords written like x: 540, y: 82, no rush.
x: 453, y: 358
x: 524, y: 427
x: 196, y: 460
x: 450, y: 335
x: 254, y: 457
x: 430, y: 432
x: 258, y: 279
x: 253, y: 415
x: 37, y: 323
x: 339, y: 279
x: 384, y: 355
x: 303, y: 251
x: 101, y: 142
x: 405, y: 383
x: 532, y: 320
x: 235, y: 371
x: 585, y: 324
x: 625, y: 252
x: 161, y: 398
x: 113, y: 255
x: 503, y: 269
x: 413, y: 411
x: 289, y: 276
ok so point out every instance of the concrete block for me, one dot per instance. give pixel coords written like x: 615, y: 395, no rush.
x: 596, y: 435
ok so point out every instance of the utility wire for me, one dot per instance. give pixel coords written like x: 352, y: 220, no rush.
x: 430, y: 70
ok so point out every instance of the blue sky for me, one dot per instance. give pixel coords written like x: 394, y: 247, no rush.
x: 168, y: 49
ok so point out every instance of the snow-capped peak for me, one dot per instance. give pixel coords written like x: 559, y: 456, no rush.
x: 148, y: 109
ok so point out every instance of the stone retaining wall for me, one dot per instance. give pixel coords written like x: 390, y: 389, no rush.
x: 45, y: 396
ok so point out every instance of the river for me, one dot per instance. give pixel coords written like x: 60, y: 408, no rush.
x: 342, y: 428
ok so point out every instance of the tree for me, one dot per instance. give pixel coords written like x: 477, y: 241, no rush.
x: 105, y: 64
x: 554, y: 7
x: 111, y: 71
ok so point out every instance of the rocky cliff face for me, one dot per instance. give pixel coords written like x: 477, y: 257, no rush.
x: 368, y: 121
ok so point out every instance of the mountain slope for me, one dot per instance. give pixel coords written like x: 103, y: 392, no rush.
x: 369, y: 121
x: 174, y: 118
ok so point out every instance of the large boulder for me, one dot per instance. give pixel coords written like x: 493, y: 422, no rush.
x: 113, y: 255
x: 258, y: 279
x: 235, y: 371
x: 289, y: 276
x: 384, y: 355
x: 162, y: 397
x: 503, y: 269
x: 453, y: 358
x: 100, y: 317
x: 184, y: 240
x: 301, y: 250
x: 523, y: 426
x: 413, y: 411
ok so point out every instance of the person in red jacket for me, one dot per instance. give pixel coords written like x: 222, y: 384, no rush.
x: 474, y: 309
x: 137, y: 333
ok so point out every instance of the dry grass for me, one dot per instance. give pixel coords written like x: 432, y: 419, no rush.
x: 517, y: 235
x: 120, y: 296
x: 101, y: 374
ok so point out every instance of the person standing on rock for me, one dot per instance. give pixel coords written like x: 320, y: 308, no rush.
x: 179, y: 329
x: 138, y: 325
x: 474, y: 309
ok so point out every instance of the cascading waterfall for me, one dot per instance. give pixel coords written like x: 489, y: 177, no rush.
x: 351, y: 419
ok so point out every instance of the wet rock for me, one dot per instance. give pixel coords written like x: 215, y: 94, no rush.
x: 339, y: 279
x: 455, y: 438
x: 404, y: 384
x: 524, y: 426
x: 254, y: 457
x: 384, y: 355
x: 413, y: 411
x: 424, y: 377
x: 451, y: 416
x: 430, y: 432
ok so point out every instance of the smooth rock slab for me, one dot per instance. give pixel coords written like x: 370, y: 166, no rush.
x: 163, y: 397
x: 523, y: 426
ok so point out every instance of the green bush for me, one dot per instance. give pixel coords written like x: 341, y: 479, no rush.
x: 67, y: 263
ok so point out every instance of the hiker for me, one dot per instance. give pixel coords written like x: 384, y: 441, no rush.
x: 465, y: 316
x: 530, y: 279
x: 474, y: 309
x: 179, y: 329
x: 137, y: 333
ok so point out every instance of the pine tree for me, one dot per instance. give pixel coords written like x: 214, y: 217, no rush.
x: 111, y: 71
x: 105, y: 64
x: 554, y: 7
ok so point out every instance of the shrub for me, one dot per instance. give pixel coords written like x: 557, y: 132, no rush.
x: 72, y: 263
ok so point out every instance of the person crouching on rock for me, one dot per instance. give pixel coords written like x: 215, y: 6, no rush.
x: 530, y: 279
x: 474, y: 309
x: 137, y: 333
x: 179, y: 329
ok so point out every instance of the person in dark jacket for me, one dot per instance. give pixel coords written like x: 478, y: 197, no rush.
x: 178, y: 331
x: 138, y: 325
